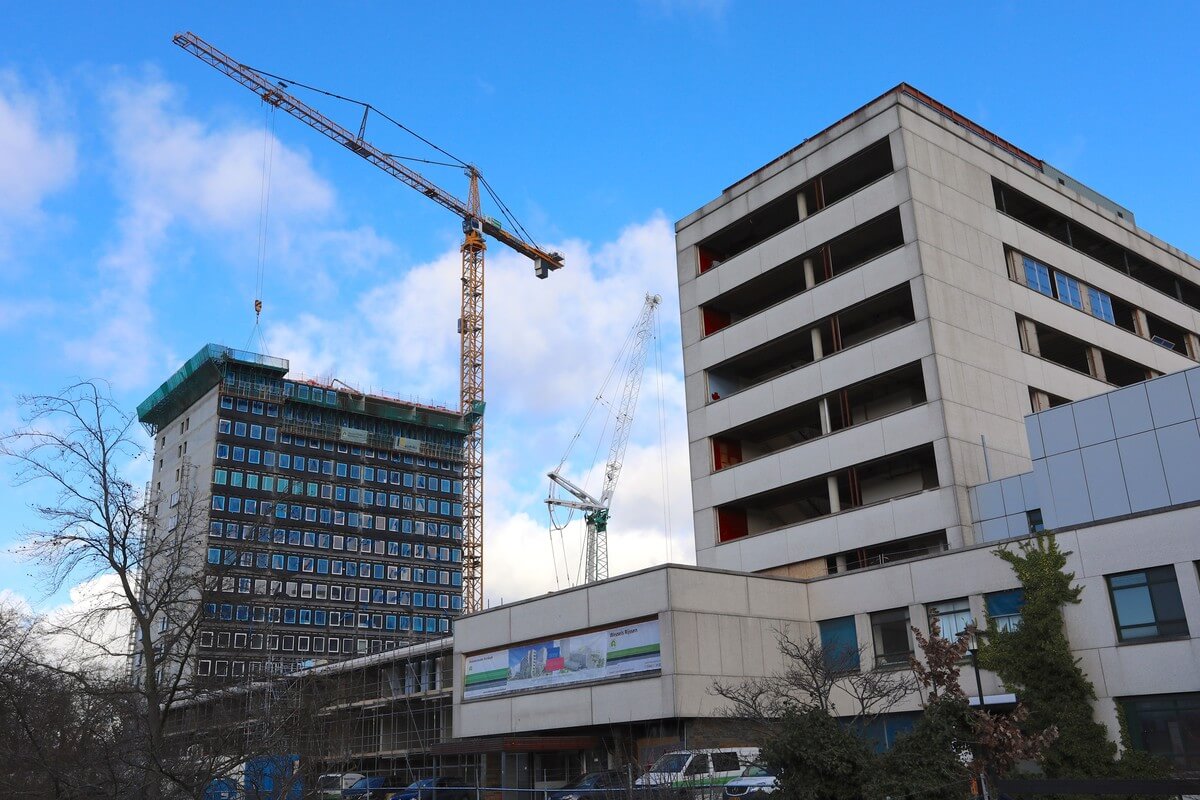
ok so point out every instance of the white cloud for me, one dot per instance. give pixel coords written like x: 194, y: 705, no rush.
x: 35, y: 159
x: 179, y: 178
x: 75, y: 633
x: 549, y: 345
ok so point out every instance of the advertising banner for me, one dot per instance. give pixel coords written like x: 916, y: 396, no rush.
x: 626, y: 650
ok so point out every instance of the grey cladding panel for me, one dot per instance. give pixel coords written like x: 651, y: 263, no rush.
x: 1058, y: 430
x: 1093, y: 421
x: 1142, y: 465
x: 990, y: 499
x: 1069, y: 484
x: 1033, y: 431
x: 1014, y: 497
x: 1018, y: 524
x: 1130, y: 410
x: 1106, y: 484
x: 1180, y: 449
x: 1041, y: 479
x: 1170, y: 402
x: 1193, y: 379
x: 994, y: 530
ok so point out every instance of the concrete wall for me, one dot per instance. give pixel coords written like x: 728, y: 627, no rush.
x: 721, y: 626
x: 713, y: 626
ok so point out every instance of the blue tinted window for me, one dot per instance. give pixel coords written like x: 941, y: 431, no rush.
x: 1037, y: 277
x: 839, y: 644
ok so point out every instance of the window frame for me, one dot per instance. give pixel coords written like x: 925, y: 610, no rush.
x: 1166, y: 575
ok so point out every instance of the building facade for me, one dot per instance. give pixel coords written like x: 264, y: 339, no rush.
x: 867, y: 319
x: 907, y: 342
x: 332, y: 519
x: 1109, y: 481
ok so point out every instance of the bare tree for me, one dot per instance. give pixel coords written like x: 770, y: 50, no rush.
x: 814, y: 677
x: 75, y: 450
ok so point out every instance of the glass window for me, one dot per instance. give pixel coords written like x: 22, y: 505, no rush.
x: 1167, y: 725
x: 1101, y: 305
x: 1147, y: 604
x: 1068, y: 290
x: 1004, y: 608
x: 1037, y: 277
x: 222, y: 451
x: 953, y: 617
x: 892, y: 637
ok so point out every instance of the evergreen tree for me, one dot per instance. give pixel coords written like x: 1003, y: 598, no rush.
x: 1035, y: 661
x: 817, y: 758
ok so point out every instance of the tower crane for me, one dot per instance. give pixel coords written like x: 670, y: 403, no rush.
x: 595, y: 510
x: 476, y: 227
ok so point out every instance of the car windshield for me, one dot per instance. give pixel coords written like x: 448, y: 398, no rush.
x: 421, y: 783
x: 757, y: 771
x: 362, y: 783
x: 671, y: 762
x: 329, y: 782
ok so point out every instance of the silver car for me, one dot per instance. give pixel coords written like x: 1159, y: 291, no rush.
x: 755, y: 781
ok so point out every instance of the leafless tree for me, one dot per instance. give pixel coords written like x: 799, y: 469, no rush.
x: 75, y: 451
x: 814, y: 677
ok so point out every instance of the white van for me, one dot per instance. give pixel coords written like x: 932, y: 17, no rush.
x: 698, y: 769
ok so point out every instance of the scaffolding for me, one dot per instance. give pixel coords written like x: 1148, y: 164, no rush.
x: 379, y: 714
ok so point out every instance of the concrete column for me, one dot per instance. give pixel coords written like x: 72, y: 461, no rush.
x: 802, y: 204
x: 1193, y: 346
x: 1096, y: 362
x: 835, y: 496
x: 823, y: 407
x: 1141, y: 324
x: 810, y: 277
x: 840, y: 559
x: 1029, y: 340
x: 818, y: 351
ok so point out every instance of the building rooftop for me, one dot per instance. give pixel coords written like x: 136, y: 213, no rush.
x: 896, y: 94
x: 207, y: 368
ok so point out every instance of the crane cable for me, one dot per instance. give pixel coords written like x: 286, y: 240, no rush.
x: 264, y: 212
x: 519, y: 229
x: 618, y: 365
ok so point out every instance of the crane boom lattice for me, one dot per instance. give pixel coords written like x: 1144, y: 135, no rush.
x: 475, y: 228
x: 596, y: 510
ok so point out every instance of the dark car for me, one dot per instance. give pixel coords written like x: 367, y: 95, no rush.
x: 590, y: 786
x: 374, y: 787
x: 442, y: 787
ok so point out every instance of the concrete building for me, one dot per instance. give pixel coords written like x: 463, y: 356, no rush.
x: 867, y: 319
x: 332, y: 518
x: 890, y: 334
x: 1100, y: 480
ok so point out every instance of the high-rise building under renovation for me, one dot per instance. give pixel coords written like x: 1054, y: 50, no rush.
x: 333, y: 522
x: 870, y: 316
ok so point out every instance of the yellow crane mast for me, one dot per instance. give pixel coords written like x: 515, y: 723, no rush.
x: 470, y: 324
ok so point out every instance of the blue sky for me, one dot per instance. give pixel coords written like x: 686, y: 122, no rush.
x: 131, y: 176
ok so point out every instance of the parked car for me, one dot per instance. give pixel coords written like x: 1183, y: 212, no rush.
x: 374, y: 787
x: 590, y: 786
x: 698, y: 770
x: 331, y: 785
x: 755, y: 782
x: 442, y: 787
